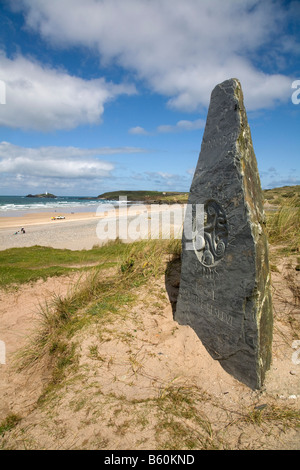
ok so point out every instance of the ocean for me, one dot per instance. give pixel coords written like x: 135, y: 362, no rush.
x: 18, y: 205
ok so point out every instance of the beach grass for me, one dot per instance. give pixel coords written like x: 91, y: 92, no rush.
x: 28, y: 264
x: 9, y: 423
x: 283, y: 224
x: 95, y: 296
x: 281, y: 196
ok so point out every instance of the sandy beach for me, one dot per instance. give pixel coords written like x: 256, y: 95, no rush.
x: 77, y: 231
x: 74, y: 232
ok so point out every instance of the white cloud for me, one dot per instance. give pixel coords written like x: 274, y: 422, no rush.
x: 56, y: 162
x: 162, y: 180
x: 181, y: 49
x: 138, y: 131
x: 56, y: 167
x: 43, y: 98
x: 183, y: 125
x: 274, y: 178
x: 180, y: 126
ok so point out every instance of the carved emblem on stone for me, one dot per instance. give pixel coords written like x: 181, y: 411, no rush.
x: 210, y: 242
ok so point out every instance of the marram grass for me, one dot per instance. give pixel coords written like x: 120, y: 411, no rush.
x: 97, y: 295
x: 284, y: 224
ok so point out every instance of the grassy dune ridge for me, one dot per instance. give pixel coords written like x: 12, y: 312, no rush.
x: 150, y: 197
x: 275, y: 196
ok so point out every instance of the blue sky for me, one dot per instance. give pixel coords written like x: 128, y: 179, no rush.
x: 101, y: 95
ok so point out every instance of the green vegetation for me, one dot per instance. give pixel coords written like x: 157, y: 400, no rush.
x: 275, y: 196
x: 9, y: 423
x: 95, y: 297
x: 283, y: 223
x: 181, y: 423
x: 150, y: 197
x: 265, y: 414
x: 20, y: 265
x: 279, y: 196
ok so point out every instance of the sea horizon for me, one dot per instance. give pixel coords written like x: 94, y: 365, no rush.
x: 13, y: 206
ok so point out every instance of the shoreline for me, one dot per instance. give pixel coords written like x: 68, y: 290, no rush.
x: 78, y: 231
x: 42, y: 218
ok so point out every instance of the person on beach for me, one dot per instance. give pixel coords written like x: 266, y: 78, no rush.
x: 22, y: 231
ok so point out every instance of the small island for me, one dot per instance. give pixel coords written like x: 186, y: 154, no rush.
x: 45, y: 195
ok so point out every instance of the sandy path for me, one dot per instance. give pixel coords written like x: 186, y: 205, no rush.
x: 18, y: 318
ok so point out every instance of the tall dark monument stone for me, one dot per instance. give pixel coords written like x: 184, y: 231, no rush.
x: 225, y: 293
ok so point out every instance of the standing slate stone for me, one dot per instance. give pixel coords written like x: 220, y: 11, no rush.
x: 225, y: 293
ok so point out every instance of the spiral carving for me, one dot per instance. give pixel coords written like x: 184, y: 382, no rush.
x: 212, y: 248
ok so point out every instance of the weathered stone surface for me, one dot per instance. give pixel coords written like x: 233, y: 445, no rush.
x: 224, y: 290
